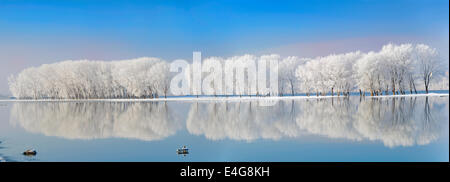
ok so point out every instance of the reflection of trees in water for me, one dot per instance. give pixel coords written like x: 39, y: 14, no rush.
x: 240, y: 120
x: 393, y: 121
x: 432, y: 119
x: 2, y: 159
x: 399, y: 121
x: 328, y: 117
x: 288, y: 118
x: 88, y: 120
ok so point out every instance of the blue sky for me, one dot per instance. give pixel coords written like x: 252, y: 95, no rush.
x: 38, y: 32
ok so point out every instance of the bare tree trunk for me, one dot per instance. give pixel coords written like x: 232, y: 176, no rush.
x: 292, y: 88
x: 414, y: 86
x: 393, y: 85
x: 427, y: 81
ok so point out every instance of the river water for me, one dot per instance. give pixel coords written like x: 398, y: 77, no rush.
x: 329, y: 129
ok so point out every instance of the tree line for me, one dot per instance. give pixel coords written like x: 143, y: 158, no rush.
x: 395, y: 69
x: 137, y: 78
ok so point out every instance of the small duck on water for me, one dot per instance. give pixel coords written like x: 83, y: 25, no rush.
x: 183, y: 150
x: 30, y: 152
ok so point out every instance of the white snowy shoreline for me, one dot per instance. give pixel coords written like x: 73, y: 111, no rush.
x: 212, y: 98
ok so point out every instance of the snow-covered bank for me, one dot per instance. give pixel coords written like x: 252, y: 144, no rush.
x: 414, y: 95
x: 234, y: 98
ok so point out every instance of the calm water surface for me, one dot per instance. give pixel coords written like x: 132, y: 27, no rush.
x: 338, y: 129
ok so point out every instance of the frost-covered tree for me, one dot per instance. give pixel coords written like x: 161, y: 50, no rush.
x: 286, y: 69
x: 137, y: 78
x: 237, y: 75
x: 369, y: 73
x: 332, y: 73
x: 396, y: 68
x: 427, y: 59
x: 397, y: 62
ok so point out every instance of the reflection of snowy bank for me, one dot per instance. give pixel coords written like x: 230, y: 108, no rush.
x: 395, y: 122
x: 89, y: 120
x: 224, y: 98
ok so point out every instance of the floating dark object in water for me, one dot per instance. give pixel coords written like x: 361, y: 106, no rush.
x: 30, y: 152
x: 183, y: 150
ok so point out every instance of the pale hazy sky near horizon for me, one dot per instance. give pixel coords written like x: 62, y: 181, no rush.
x: 39, y: 32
